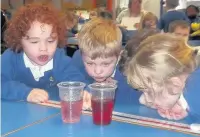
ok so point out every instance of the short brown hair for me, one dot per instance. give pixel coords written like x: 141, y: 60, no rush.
x: 178, y: 23
x: 25, y: 16
x: 100, y: 38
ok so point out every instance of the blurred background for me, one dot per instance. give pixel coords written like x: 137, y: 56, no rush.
x: 86, y: 9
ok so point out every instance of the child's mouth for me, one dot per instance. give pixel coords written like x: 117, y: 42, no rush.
x: 99, y: 79
x: 43, y: 58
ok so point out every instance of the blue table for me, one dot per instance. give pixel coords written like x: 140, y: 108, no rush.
x: 128, y: 103
x: 15, y: 115
x: 35, y: 120
x: 85, y: 128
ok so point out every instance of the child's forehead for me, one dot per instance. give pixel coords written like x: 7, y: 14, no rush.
x: 38, y: 28
x: 101, y: 59
x: 181, y: 28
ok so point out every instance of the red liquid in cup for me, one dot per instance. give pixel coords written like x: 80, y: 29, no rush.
x: 71, y: 111
x: 102, y: 111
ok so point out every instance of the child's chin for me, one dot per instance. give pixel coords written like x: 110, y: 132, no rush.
x: 41, y: 63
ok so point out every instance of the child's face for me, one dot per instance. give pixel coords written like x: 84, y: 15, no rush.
x: 183, y: 32
x: 150, y: 24
x: 100, y: 68
x: 171, y: 92
x: 40, y: 43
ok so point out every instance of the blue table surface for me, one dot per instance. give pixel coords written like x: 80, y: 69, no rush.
x: 85, y: 128
x: 26, y: 113
x: 128, y: 103
x: 15, y: 115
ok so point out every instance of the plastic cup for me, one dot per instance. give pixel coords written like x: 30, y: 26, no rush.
x: 103, y: 95
x: 71, y: 95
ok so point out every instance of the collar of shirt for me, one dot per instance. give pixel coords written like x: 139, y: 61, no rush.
x: 37, y: 71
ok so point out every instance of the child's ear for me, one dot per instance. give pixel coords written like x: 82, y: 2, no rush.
x: 177, y: 84
x: 175, y: 81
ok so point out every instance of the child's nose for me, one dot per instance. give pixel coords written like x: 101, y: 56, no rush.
x: 43, y: 47
x: 98, y: 70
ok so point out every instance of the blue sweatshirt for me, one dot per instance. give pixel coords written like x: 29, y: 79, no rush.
x: 169, y: 17
x: 192, y: 94
x: 17, y: 81
x: 132, y: 95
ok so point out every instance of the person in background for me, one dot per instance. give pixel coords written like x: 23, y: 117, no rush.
x: 105, y: 14
x: 180, y: 28
x: 130, y: 18
x: 148, y: 21
x: 192, y: 13
x: 71, y: 23
x: 171, y: 15
x: 35, y: 60
x: 159, y: 69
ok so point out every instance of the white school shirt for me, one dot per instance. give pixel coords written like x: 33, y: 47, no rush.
x: 37, y: 71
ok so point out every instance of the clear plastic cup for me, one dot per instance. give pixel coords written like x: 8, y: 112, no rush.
x: 71, y: 95
x: 103, y: 95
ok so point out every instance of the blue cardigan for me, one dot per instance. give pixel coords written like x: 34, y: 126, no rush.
x: 17, y: 81
x: 192, y: 93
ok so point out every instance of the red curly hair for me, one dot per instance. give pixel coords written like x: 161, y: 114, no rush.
x: 26, y: 15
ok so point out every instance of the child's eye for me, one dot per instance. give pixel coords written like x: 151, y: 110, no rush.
x: 34, y: 42
x: 106, y: 64
x: 51, y: 41
x: 89, y: 63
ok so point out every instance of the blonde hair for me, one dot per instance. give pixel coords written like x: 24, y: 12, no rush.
x: 160, y: 57
x: 146, y: 17
x: 100, y: 38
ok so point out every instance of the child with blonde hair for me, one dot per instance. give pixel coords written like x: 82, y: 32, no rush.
x: 159, y: 68
x: 100, y: 48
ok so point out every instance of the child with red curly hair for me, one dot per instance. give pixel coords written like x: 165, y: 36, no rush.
x: 34, y: 61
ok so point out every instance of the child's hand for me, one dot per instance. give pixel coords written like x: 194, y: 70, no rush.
x: 86, y: 100
x: 37, y: 95
x: 176, y: 113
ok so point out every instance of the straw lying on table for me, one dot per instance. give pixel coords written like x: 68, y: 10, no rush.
x: 139, y: 120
